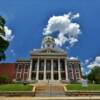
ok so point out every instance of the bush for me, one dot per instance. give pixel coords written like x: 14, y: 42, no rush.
x: 3, y: 79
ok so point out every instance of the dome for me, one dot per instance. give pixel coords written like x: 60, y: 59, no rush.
x: 48, y: 38
x: 48, y: 42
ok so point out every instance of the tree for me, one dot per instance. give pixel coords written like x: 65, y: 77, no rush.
x: 94, y: 75
x: 3, y: 43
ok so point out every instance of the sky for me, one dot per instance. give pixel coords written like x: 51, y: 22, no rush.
x: 28, y: 20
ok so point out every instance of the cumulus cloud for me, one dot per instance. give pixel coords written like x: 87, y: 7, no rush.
x: 75, y: 16
x: 87, y: 61
x: 8, y: 34
x: 68, y: 31
x: 83, y: 66
x: 96, y: 62
x: 83, y: 70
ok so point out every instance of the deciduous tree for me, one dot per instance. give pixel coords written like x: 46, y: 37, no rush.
x: 3, y: 43
x: 94, y: 75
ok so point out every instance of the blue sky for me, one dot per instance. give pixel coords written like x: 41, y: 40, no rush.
x: 28, y: 18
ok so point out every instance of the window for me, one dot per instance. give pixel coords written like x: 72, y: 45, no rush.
x: 26, y: 67
x: 48, y: 75
x: 41, y: 65
x: 20, y: 67
x: 62, y: 64
x: 77, y: 69
x: 56, y: 76
x: 55, y: 65
x: 34, y: 65
x: 18, y: 76
x: 77, y: 75
x: 48, y: 65
x: 63, y: 76
x: 70, y: 75
x: 33, y: 76
x: 41, y: 75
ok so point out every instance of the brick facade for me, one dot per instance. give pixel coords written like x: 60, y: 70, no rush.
x: 8, y: 69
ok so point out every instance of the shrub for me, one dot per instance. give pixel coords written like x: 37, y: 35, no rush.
x: 3, y: 79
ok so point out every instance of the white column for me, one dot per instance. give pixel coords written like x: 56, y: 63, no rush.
x: 24, y: 70
x: 59, y: 71
x: 66, y: 71
x: 21, y: 71
x: 37, y: 72
x: 72, y: 71
x: 44, y: 69
x: 52, y: 76
x: 30, y: 71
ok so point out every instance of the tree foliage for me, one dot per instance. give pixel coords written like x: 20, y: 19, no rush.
x: 3, y: 43
x: 94, y: 75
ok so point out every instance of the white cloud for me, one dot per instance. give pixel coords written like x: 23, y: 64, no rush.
x: 8, y: 34
x: 68, y: 31
x: 75, y: 16
x: 83, y: 66
x: 13, y: 52
x: 83, y: 70
x: 96, y: 62
x: 87, y: 61
x: 73, y: 58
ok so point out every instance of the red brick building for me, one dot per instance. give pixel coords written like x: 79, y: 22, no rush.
x: 47, y: 63
x: 8, y: 69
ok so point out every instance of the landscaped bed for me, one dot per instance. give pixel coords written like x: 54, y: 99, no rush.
x: 15, y: 87
x: 79, y: 87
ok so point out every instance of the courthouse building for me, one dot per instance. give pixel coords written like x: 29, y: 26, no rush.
x: 49, y: 63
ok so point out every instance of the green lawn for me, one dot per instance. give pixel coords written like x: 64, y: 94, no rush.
x: 91, y: 87
x: 15, y: 87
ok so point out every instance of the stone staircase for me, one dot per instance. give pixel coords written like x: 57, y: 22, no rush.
x: 49, y: 90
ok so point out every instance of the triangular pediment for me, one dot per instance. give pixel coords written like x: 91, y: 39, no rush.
x: 48, y: 50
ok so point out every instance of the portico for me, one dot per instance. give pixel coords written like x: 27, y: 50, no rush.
x: 44, y: 69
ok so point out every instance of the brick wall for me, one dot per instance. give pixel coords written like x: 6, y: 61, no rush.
x: 8, y: 69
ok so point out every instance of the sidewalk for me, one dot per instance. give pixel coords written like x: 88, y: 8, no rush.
x: 51, y: 98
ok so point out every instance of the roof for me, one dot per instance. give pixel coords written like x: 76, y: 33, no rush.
x: 48, y: 51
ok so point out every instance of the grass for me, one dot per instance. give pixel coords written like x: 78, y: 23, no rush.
x: 90, y: 87
x: 15, y: 87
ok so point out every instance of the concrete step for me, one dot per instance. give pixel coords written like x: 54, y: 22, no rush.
x: 49, y: 90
